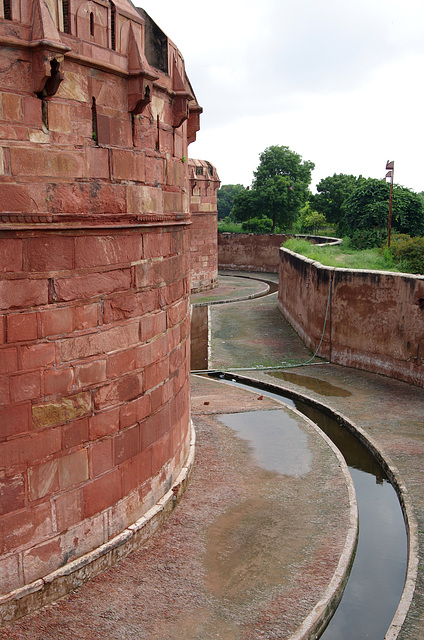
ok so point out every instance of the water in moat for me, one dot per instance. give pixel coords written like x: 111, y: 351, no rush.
x: 375, y: 585
x: 378, y: 573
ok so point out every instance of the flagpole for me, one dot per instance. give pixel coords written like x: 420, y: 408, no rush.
x: 390, y: 165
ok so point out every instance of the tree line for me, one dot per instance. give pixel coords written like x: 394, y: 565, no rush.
x: 280, y: 200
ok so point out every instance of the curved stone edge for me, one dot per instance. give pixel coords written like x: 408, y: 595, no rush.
x: 34, y: 596
x: 252, y: 296
x: 315, y: 623
x: 405, y: 501
x: 319, y: 617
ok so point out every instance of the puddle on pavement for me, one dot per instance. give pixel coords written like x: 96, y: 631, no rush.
x: 277, y: 442
x: 313, y: 384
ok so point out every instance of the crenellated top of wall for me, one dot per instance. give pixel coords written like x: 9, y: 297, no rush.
x: 96, y: 115
x: 204, y: 184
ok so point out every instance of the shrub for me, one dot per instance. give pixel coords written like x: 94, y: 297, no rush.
x: 228, y: 226
x: 409, y: 252
x: 257, y: 225
x: 367, y: 238
x: 311, y: 221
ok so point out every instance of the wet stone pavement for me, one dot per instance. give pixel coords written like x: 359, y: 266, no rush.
x: 247, y: 554
x: 250, y: 550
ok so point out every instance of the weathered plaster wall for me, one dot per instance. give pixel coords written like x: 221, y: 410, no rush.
x: 204, y: 184
x: 375, y: 319
x: 257, y: 252
x: 95, y: 279
x: 249, y: 251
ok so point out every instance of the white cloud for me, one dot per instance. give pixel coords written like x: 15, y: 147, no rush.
x: 337, y: 82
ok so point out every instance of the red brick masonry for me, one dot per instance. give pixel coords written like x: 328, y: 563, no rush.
x: 94, y: 291
x: 204, y: 184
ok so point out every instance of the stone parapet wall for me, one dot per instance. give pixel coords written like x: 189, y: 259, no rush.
x: 204, y: 184
x: 249, y: 251
x: 375, y: 320
x: 257, y: 252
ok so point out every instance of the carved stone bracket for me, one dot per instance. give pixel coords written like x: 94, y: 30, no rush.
x: 48, y: 51
x: 182, y: 97
x: 45, y: 70
x: 141, y: 77
x: 193, y: 122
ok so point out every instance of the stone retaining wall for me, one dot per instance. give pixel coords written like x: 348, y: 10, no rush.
x: 249, y: 251
x: 375, y: 320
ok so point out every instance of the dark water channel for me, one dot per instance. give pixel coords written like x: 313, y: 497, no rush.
x: 378, y: 574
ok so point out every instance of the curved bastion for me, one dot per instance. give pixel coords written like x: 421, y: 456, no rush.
x: 96, y: 115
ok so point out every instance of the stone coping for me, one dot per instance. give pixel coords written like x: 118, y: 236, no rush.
x: 318, y: 618
x: 33, y: 596
x: 237, y: 298
x: 315, y: 623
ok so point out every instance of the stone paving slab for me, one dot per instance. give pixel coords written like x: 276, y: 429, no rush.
x: 230, y: 288
x: 249, y: 553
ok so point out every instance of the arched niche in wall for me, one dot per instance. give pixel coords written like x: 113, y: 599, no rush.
x: 92, y: 19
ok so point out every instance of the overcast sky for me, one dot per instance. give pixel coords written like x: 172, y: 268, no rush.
x: 341, y: 82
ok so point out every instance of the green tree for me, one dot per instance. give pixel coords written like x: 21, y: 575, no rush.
x: 281, y: 161
x: 280, y: 188
x: 244, y: 207
x: 368, y: 206
x: 225, y: 198
x: 331, y: 193
x: 310, y: 220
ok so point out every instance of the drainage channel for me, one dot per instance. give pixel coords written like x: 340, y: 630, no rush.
x: 375, y: 585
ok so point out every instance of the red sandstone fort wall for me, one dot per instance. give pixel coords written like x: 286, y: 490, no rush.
x: 94, y: 392
x: 374, y: 320
x: 95, y: 278
x: 204, y: 184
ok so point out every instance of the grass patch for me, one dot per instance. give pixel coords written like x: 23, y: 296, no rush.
x: 229, y: 227
x: 344, y: 256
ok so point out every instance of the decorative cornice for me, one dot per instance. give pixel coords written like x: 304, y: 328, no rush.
x: 14, y: 221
